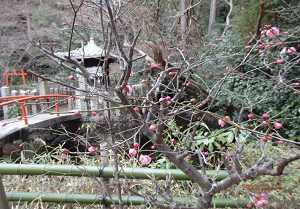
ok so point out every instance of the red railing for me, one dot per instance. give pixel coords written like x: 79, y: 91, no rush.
x: 21, y: 99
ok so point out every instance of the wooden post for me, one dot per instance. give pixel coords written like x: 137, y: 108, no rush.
x: 3, y: 199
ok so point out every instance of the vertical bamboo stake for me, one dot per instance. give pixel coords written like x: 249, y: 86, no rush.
x: 3, y: 199
x: 104, y: 163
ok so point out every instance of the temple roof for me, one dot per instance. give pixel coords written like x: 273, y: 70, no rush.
x: 91, y: 50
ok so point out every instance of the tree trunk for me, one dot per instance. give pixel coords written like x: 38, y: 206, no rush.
x: 212, y: 14
x: 183, y: 17
x: 3, y: 200
x: 28, y: 20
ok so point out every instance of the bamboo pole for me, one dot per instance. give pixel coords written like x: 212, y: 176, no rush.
x: 107, y: 172
x: 101, y: 199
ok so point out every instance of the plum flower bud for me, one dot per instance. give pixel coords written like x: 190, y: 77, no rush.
x: 171, y: 74
x: 230, y: 165
x: 173, y: 141
x: 128, y: 89
x: 227, y: 117
x: 136, y: 109
x: 277, y: 125
x: 19, y: 117
x: 206, y: 153
x: 153, y: 127
x: 71, y: 77
x: 162, y: 100
x: 95, y: 113
x: 249, y: 205
x: 64, y: 150
x: 191, y: 58
x: 188, y: 157
x: 265, y: 122
x: 144, y: 81
x: 262, y: 195
x: 263, y: 201
x: 261, y: 46
x: 203, y: 102
x: 188, y: 84
x: 248, y: 47
x: 136, y: 144
x: 259, y: 203
x: 131, y: 73
x: 273, y: 32
x: 145, y: 159
x: 220, y: 39
x: 263, y: 32
x: 250, y: 116
x: 265, y: 116
x: 280, y: 142
x: 193, y: 100
x: 152, y: 147
x: 260, y: 51
x: 132, y: 152
x: 264, y: 139
x: 63, y: 23
x: 168, y: 98
x: 296, y: 84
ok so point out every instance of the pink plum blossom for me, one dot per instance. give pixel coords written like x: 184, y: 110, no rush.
x: 221, y: 123
x: 152, y: 147
x: 249, y: 205
x: 280, y: 44
x: 292, y: 50
x: 136, y: 144
x: 261, y: 46
x: 203, y: 102
x: 168, y: 98
x: 277, y: 125
x: 262, y: 195
x: 263, y: 32
x: 183, y: 51
x: 173, y: 141
x: 273, y: 32
x: 64, y: 150
x: 259, y: 203
x: 250, y: 116
x: 191, y: 58
x: 227, y: 117
x: 145, y: 159
x: 162, y: 100
x: 283, y: 51
x: 136, y: 109
x: 77, y: 113
x: 260, y: 51
x: 131, y: 73
x: 296, y: 84
x: 280, y: 61
x: 92, y: 150
x: 132, y: 152
x: 128, y: 89
x: 153, y: 127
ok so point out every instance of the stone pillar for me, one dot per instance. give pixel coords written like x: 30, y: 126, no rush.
x: 81, y: 103
x: 5, y: 91
x: 43, y: 87
x: 14, y: 93
x: 34, y: 107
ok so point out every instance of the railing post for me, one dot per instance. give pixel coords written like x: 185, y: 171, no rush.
x: 56, y: 106
x: 3, y: 199
x: 24, y: 113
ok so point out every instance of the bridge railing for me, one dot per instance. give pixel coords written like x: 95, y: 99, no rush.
x: 21, y: 99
